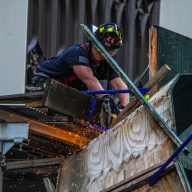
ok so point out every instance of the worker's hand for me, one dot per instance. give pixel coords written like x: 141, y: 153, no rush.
x: 107, y: 99
x: 39, y: 81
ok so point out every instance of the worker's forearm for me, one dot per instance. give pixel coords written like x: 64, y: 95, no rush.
x: 93, y: 84
x: 118, y: 84
x: 124, y: 98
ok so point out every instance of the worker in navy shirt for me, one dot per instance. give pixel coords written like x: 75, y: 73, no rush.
x: 82, y: 66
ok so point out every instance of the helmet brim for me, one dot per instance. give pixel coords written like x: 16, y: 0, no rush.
x: 112, y: 53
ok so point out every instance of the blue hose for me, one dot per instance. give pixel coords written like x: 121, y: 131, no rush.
x: 92, y: 92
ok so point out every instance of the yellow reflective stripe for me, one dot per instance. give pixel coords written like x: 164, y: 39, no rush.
x: 147, y: 97
x: 101, y: 29
x: 110, y: 29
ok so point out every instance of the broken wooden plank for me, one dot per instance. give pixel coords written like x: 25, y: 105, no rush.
x: 135, y: 103
x: 153, y: 68
x: 32, y: 99
x: 71, y: 102
x: 41, y: 171
x: 33, y: 163
x: 171, y: 48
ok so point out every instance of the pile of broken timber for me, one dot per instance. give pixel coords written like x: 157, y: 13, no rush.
x: 125, y: 157
x: 121, y: 159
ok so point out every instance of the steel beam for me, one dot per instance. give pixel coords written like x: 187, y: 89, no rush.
x: 13, y: 134
x: 10, y: 134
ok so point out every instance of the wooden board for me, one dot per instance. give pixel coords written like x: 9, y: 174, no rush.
x: 32, y: 99
x: 167, y: 183
x: 134, y: 103
x: 153, y: 57
x: 140, y: 182
x: 132, y: 146
x: 69, y: 101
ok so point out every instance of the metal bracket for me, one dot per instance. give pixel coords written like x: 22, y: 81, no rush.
x: 13, y: 134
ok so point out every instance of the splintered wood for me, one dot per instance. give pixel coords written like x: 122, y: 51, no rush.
x: 153, y: 51
x: 135, y: 102
x: 153, y: 56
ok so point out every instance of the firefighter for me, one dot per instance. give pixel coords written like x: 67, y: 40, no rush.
x: 82, y: 66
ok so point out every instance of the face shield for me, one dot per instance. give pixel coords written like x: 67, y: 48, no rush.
x: 112, y: 43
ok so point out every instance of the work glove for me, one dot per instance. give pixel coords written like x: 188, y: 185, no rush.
x: 107, y: 99
x: 109, y: 110
x: 39, y: 81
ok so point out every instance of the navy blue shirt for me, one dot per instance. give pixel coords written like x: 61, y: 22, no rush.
x: 60, y: 67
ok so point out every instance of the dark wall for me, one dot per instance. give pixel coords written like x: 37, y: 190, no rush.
x: 56, y: 25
